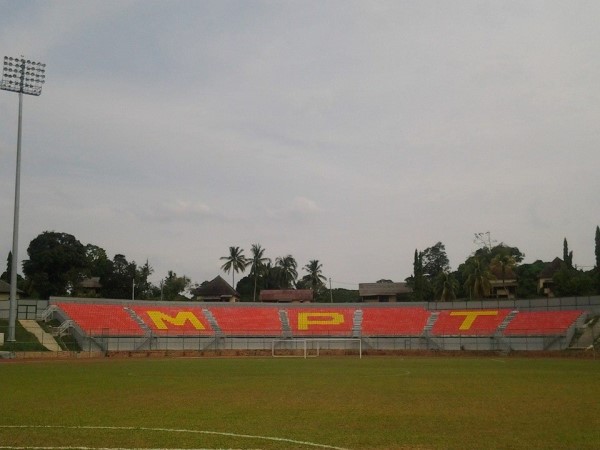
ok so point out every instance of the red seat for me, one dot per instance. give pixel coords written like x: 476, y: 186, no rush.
x: 470, y: 322
x: 390, y: 321
x: 530, y: 323
x: 247, y: 321
x: 312, y: 321
x: 174, y: 321
x: 102, y: 320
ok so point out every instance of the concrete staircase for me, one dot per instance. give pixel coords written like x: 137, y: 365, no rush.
x: 285, y: 323
x: 357, y: 323
x: 47, y: 340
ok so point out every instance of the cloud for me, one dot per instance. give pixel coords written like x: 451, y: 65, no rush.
x: 300, y: 208
x: 177, y: 211
x: 177, y: 129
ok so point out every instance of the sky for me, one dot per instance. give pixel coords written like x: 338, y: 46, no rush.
x: 351, y: 132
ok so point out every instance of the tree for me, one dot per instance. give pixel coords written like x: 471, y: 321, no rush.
x: 503, y: 262
x: 118, y: 281
x: 418, y: 282
x: 56, y: 264
x: 478, y: 278
x: 257, y: 264
x: 484, y: 256
x: 446, y: 287
x: 572, y: 282
x: 567, y: 255
x: 97, y: 261
x: 235, y: 262
x: 528, y: 275
x: 287, y: 271
x: 435, y: 261
x: 487, y: 254
x: 597, y: 247
x: 271, y: 278
x: 597, y: 251
x: 173, y: 287
x: 314, y: 278
x: 144, y: 289
x: 6, y: 274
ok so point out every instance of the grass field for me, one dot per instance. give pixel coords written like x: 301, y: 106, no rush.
x: 326, y: 402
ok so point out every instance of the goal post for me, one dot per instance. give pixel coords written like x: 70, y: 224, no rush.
x: 311, y: 347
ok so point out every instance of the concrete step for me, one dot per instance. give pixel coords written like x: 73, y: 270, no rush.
x: 46, y: 339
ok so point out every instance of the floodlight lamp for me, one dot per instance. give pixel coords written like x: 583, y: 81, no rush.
x: 23, y: 75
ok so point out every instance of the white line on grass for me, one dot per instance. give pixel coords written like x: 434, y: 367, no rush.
x: 168, y: 430
x: 109, y: 448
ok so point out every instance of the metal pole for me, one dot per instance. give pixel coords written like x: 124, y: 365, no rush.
x: 24, y: 77
x: 12, y: 312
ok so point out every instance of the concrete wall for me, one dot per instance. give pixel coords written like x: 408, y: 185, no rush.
x: 26, y: 308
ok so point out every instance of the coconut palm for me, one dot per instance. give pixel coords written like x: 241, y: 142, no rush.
x: 257, y: 263
x: 315, y: 277
x: 503, y: 263
x: 478, y: 280
x: 287, y: 270
x: 446, y: 287
x: 235, y: 262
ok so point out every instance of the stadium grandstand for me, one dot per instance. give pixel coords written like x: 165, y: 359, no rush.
x: 116, y: 325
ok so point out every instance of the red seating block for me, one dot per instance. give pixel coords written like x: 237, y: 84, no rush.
x: 174, y: 321
x: 248, y: 321
x: 391, y: 321
x: 102, y: 320
x: 321, y: 321
x: 529, y: 323
x: 470, y: 322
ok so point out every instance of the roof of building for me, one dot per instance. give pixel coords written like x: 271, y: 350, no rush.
x: 551, y: 268
x: 286, y: 295
x: 5, y: 288
x: 91, y: 283
x: 369, y: 289
x: 216, y: 288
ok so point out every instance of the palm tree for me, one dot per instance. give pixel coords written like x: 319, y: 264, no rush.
x: 446, y: 287
x: 235, y: 262
x: 287, y: 266
x: 502, y: 263
x: 257, y: 263
x: 315, y: 277
x: 478, y: 280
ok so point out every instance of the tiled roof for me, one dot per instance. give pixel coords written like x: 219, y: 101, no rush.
x: 217, y: 287
x: 369, y: 289
x: 286, y: 295
x: 551, y: 268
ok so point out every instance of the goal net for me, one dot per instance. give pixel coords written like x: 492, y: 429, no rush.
x: 313, y: 347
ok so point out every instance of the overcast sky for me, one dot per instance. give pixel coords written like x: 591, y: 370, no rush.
x: 352, y: 132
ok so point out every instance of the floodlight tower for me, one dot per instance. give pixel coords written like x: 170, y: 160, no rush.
x: 25, y: 77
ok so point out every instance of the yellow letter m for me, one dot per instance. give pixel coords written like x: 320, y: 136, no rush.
x: 161, y: 319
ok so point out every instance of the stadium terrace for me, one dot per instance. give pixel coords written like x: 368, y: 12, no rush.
x: 115, y: 325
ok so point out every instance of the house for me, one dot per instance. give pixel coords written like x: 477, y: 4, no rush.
x: 216, y: 290
x: 503, y: 286
x: 286, y: 295
x: 545, y: 278
x: 384, y: 292
x: 5, y: 291
x: 89, y: 287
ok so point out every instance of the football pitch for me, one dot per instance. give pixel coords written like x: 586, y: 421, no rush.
x: 315, y: 403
